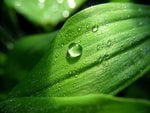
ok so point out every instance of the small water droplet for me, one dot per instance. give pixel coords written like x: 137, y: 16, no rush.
x: 87, y: 26
x: 109, y: 43
x: 76, y: 76
x: 79, y: 29
x: 100, y: 59
x: 95, y: 29
x: 74, y: 50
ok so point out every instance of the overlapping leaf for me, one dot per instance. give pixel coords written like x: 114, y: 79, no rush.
x: 26, y: 53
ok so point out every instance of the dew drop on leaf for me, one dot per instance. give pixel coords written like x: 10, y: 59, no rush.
x: 108, y: 43
x: 74, y: 50
x: 95, y: 29
x: 98, y: 47
x: 76, y: 76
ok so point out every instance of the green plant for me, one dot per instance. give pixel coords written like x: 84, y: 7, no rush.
x: 95, y: 55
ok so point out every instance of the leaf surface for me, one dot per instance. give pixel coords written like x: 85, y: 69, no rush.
x: 114, y: 41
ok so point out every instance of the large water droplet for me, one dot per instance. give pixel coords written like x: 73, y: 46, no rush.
x: 74, y: 50
x: 95, y: 29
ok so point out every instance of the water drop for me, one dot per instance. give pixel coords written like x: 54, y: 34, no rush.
x: 100, y: 59
x: 76, y: 76
x: 109, y: 43
x: 62, y: 45
x: 98, y: 47
x: 95, y: 29
x: 79, y: 29
x: 87, y: 26
x: 74, y: 50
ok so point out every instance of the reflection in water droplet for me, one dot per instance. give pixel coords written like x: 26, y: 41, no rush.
x: 72, y: 3
x: 74, y: 50
x: 60, y: 1
x: 95, y: 29
x: 65, y: 13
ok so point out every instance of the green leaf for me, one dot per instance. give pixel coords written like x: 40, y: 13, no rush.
x: 111, y: 50
x: 26, y: 53
x: 86, y: 104
x: 45, y: 12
